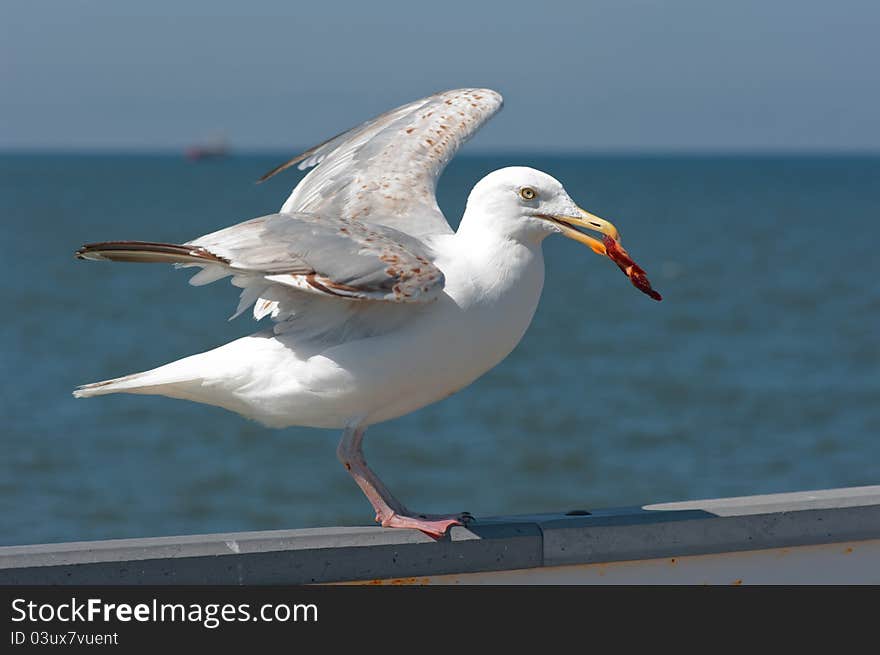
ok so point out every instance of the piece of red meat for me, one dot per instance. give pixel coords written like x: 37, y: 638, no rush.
x: 632, y: 270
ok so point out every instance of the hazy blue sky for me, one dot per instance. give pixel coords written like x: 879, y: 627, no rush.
x: 589, y: 74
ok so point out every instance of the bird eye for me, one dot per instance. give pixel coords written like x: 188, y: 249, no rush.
x: 528, y: 193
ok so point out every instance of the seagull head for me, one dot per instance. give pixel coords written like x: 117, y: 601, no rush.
x: 527, y: 205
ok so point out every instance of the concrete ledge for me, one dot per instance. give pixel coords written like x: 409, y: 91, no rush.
x: 496, y: 544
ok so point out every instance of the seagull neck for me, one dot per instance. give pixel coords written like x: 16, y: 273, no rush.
x: 495, y: 260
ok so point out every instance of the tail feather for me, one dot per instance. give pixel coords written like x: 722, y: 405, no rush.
x: 106, y: 386
x: 163, y: 380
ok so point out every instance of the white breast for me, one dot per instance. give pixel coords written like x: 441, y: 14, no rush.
x: 492, y: 291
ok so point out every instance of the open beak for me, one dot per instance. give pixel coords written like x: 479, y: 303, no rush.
x: 587, y: 221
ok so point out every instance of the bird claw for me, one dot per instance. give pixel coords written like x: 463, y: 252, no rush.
x: 435, y: 526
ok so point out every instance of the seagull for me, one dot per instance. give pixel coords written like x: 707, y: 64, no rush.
x: 379, y: 308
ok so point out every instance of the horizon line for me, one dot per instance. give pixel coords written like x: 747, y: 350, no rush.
x: 480, y: 152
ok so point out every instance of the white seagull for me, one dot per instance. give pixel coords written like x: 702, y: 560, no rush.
x: 379, y: 308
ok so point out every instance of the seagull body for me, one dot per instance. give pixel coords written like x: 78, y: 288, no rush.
x: 422, y: 353
x: 379, y: 308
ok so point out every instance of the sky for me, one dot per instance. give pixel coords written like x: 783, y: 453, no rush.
x: 588, y: 75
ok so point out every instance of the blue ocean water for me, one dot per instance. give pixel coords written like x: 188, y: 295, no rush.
x: 757, y: 373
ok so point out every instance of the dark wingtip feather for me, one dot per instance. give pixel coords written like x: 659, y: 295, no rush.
x: 284, y: 166
x: 301, y: 157
x: 147, y: 252
x: 89, y: 251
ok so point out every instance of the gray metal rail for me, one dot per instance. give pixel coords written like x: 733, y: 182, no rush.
x: 528, y: 548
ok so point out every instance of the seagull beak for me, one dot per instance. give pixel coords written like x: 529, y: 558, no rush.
x: 588, y: 221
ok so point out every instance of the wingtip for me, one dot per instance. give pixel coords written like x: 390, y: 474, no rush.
x: 81, y: 391
x: 283, y: 167
x: 84, y: 253
x: 272, y: 173
x: 483, y: 90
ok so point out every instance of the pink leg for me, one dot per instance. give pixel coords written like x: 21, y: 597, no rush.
x: 390, y: 512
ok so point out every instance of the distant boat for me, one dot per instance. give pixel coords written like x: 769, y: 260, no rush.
x: 208, y: 150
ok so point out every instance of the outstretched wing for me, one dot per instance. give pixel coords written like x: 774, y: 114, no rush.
x: 329, y: 255
x: 386, y: 169
x: 282, y: 260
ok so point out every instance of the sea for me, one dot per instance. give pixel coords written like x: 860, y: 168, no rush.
x: 758, y: 373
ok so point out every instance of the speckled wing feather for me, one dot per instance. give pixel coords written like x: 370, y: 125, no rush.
x: 327, y: 255
x: 292, y: 265
x: 386, y: 169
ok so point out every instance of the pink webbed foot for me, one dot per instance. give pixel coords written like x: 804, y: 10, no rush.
x: 433, y: 525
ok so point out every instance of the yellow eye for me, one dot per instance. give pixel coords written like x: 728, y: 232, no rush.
x: 528, y: 193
